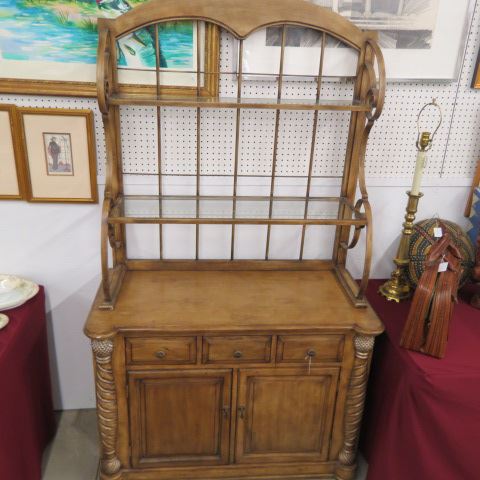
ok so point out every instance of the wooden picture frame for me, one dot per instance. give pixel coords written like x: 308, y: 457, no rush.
x: 476, y: 76
x: 60, y: 155
x: 19, y: 66
x: 12, y: 160
x: 475, y: 184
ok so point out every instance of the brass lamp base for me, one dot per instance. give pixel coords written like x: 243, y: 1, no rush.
x: 396, y: 289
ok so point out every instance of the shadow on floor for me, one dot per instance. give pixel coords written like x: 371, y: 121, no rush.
x: 73, y: 453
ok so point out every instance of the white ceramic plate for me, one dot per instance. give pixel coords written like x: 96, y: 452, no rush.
x: 15, y: 291
x: 3, y: 320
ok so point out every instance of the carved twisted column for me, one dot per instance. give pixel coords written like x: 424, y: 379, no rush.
x: 106, y: 408
x: 354, y: 406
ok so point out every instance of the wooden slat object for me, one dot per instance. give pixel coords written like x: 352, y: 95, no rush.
x: 235, y: 103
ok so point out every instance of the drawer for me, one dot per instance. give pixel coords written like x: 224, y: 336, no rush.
x: 161, y: 350
x: 237, y: 349
x: 297, y: 348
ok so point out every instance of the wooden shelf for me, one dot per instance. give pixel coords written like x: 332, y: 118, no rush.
x: 220, y: 210
x: 233, y: 102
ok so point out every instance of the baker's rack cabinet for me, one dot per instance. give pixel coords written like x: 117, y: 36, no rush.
x: 150, y: 346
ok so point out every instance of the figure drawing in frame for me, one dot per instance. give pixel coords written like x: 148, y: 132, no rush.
x: 58, y: 153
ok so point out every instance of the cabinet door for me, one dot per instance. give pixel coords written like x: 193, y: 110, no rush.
x: 285, y: 415
x: 180, y: 417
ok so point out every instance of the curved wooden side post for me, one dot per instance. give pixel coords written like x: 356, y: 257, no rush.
x: 354, y: 407
x: 370, y: 89
x: 106, y: 408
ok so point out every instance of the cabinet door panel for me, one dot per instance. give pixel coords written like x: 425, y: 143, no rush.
x: 180, y: 417
x: 285, y: 414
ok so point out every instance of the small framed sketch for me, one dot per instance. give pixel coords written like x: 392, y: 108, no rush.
x: 12, y: 171
x: 60, y: 155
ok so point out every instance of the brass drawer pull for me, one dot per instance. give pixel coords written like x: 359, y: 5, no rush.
x: 311, y: 353
x: 161, y: 354
x: 237, y: 354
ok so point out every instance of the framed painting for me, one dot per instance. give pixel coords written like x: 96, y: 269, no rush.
x: 50, y: 47
x: 476, y: 75
x: 420, y: 39
x: 60, y: 155
x: 12, y: 166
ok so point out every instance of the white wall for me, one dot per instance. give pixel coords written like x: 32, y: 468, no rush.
x: 57, y: 245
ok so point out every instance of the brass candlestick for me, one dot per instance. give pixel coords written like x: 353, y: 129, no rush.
x: 398, y: 288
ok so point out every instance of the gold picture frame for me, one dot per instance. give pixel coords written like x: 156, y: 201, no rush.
x: 60, y: 155
x: 475, y: 184
x: 476, y: 76
x: 12, y: 160
x: 26, y: 85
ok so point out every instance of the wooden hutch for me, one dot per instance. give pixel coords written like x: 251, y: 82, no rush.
x: 228, y: 369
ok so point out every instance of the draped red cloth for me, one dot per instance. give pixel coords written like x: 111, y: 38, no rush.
x: 26, y: 410
x: 422, y: 418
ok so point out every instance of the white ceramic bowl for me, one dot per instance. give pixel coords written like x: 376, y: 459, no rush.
x: 15, y: 291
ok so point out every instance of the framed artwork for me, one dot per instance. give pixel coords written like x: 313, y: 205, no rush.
x: 420, y: 39
x: 60, y: 155
x: 475, y: 187
x: 50, y: 47
x: 476, y: 76
x: 12, y: 167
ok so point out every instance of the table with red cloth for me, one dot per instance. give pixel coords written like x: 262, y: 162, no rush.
x: 422, y: 419
x: 26, y: 412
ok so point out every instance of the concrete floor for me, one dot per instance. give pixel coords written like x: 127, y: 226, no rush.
x: 73, y: 454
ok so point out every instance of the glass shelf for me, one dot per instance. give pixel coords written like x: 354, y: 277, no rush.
x: 233, y: 102
x: 220, y: 210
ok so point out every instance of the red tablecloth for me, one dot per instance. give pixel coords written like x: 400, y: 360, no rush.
x: 422, y: 417
x: 26, y: 411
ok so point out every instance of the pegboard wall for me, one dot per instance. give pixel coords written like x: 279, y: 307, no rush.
x: 391, y: 150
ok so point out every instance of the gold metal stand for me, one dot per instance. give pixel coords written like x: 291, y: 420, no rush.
x: 398, y: 288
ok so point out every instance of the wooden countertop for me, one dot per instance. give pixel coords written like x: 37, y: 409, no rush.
x: 186, y: 301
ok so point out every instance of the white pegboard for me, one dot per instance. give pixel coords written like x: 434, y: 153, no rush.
x: 391, y: 150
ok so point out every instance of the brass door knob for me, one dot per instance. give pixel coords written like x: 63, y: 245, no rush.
x: 311, y: 353
x: 160, y: 354
x: 237, y: 354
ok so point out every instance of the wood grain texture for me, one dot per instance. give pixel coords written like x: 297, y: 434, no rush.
x: 285, y: 415
x: 173, y: 301
x: 313, y: 348
x: 240, y: 18
x: 180, y: 417
x: 106, y: 407
x: 161, y: 350
x: 237, y: 349
x: 354, y: 405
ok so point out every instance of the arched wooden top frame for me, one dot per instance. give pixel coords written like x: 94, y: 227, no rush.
x: 240, y: 18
